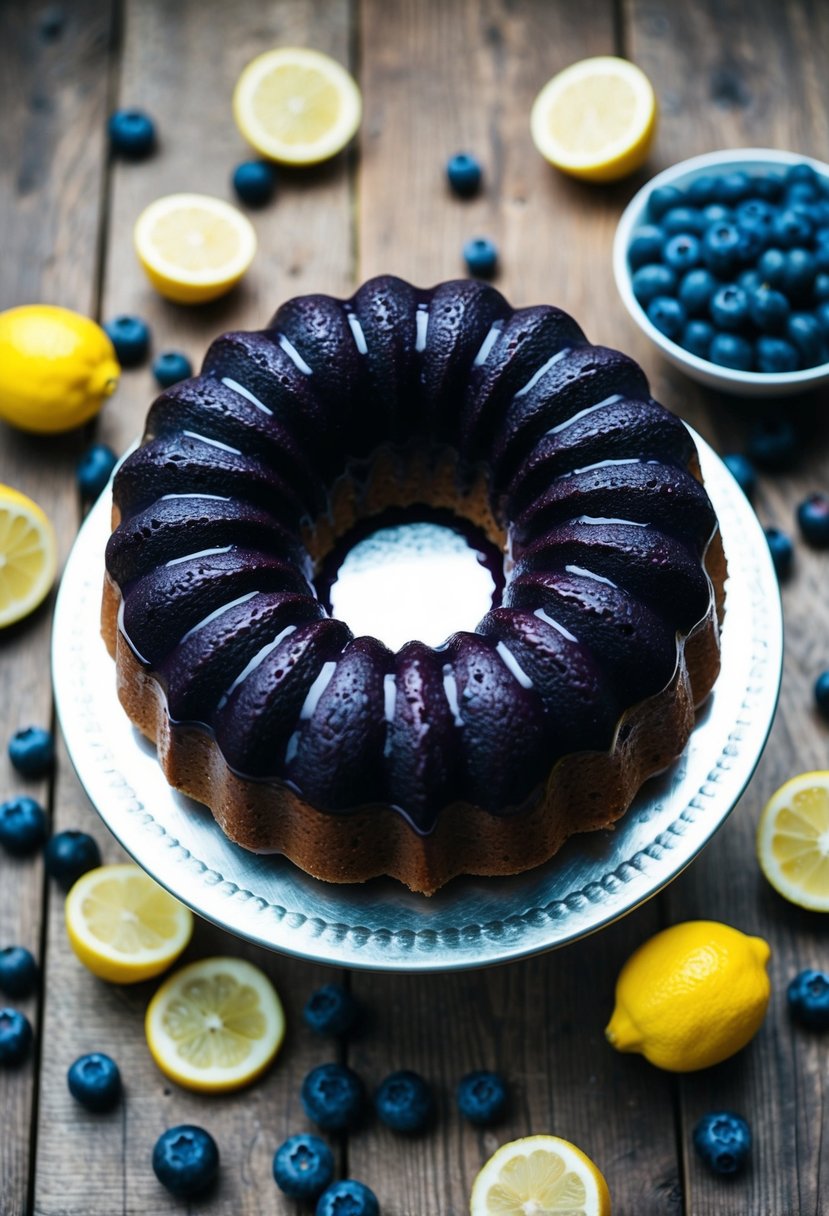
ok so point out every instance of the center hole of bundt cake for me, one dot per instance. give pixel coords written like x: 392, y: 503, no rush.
x: 411, y: 575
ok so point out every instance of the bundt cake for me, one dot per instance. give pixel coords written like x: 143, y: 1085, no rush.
x: 478, y: 756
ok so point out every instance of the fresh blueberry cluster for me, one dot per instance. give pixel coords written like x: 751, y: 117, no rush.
x: 735, y: 268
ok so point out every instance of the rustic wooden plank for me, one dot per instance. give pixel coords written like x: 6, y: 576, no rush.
x: 53, y: 86
x: 181, y: 65
x: 757, y: 79
x: 438, y: 78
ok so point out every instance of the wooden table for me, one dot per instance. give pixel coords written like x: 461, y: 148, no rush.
x: 437, y: 76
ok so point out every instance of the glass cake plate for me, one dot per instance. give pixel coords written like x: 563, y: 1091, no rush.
x: 472, y: 922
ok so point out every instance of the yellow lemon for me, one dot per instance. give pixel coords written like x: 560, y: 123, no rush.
x: 691, y: 996
x: 540, y: 1176
x: 56, y: 368
x: 793, y: 841
x: 193, y: 247
x: 596, y: 120
x: 123, y: 926
x: 297, y: 106
x: 28, y: 556
x: 215, y: 1025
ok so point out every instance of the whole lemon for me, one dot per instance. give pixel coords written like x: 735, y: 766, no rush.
x: 56, y: 368
x: 691, y: 996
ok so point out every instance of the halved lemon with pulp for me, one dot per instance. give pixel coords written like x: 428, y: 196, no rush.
x: 297, y: 106
x: 215, y: 1025
x: 193, y: 247
x: 123, y: 926
x: 540, y: 1176
x: 596, y: 119
x: 793, y: 840
x: 28, y: 556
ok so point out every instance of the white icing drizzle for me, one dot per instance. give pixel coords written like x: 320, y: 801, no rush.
x: 357, y: 331
x: 450, y: 687
x: 389, y: 695
x: 294, y: 355
x: 599, y: 578
x: 189, y: 557
x: 589, y: 409
x: 292, y: 747
x: 421, y: 326
x: 246, y: 393
x: 545, y: 367
x: 194, y: 494
x: 606, y: 464
x: 487, y: 344
x: 255, y: 662
x: 554, y: 624
x: 215, y: 443
x: 607, y: 519
x: 316, y: 690
x: 514, y: 666
x: 216, y: 613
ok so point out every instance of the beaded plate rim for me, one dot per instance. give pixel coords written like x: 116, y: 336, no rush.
x: 472, y: 922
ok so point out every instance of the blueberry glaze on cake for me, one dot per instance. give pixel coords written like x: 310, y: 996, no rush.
x: 482, y: 755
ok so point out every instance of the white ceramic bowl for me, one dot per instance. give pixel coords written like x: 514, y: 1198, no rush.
x: 726, y: 379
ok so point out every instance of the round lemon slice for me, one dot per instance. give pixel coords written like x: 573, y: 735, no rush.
x: 123, y: 926
x: 540, y: 1176
x: 793, y: 841
x: 596, y: 120
x: 297, y: 106
x: 28, y: 556
x: 193, y: 247
x: 215, y: 1025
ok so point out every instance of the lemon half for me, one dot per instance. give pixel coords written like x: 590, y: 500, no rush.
x: 793, y: 841
x: 297, y: 106
x: 215, y: 1025
x: 28, y: 556
x: 540, y: 1175
x: 123, y: 926
x: 596, y: 120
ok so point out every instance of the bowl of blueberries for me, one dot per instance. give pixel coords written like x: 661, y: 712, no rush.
x: 723, y: 261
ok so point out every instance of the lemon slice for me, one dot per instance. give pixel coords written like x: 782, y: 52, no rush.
x: 297, y: 106
x: 540, y: 1176
x: 215, y: 1025
x: 28, y: 556
x: 123, y: 926
x: 596, y: 119
x: 193, y: 247
x: 793, y: 841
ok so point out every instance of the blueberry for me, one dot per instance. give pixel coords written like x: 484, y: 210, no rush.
x: 813, y: 520
x: 753, y: 241
x: 94, y: 1080
x: 697, y: 337
x: 131, y: 133
x: 23, y: 825
x: 743, y: 472
x: 94, y: 470
x: 186, y: 1160
x: 662, y: 199
x: 464, y: 174
x: 730, y: 350
x: 682, y: 252
x: 800, y: 172
x: 716, y: 213
x: 645, y: 246
x: 799, y: 273
x: 733, y: 187
x: 482, y: 1097
x: 404, y: 1102
x: 806, y: 333
x: 750, y: 280
x: 18, y: 972
x: 15, y: 1036
x: 331, y: 1010
x: 68, y: 855
x: 171, y: 366
x: 773, y: 444
x: 481, y: 257
x: 822, y: 693
x: 668, y: 315
x: 695, y: 291
x: 729, y: 307
x: 808, y: 994
x: 782, y: 552
x: 347, y: 1198
x: 332, y: 1097
x: 822, y: 317
x: 701, y: 190
x: 254, y: 182
x: 723, y: 1141
x: 769, y: 186
x: 32, y: 751
x: 303, y: 1167
x: 776, y: 355
x: 651, y: 281
x: 772, y: 267
x: 683, y: 220
x: 131, y: 338
x: 802, y: 192
x: 791, y: 228
x: 755, y: 212
x: 768, y: 309
x: 721, y: 247
x: 820, y: 290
